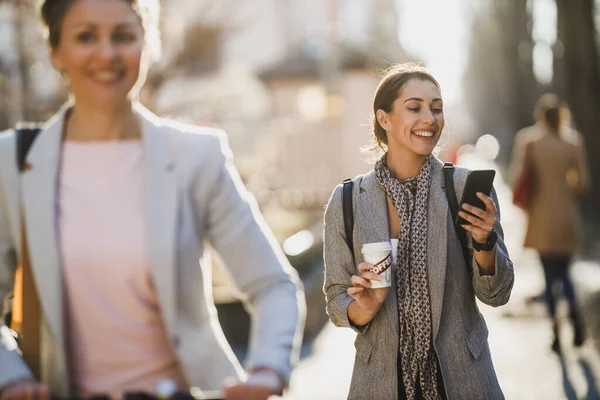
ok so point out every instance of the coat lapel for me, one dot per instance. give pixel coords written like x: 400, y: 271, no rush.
x: 437, y: 243
x: 161, y: 199
x: 38, y: 199
x: 372, y: 218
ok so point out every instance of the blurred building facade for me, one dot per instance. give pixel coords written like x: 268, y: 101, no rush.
x: 321, y: 87
x: 293, y: 90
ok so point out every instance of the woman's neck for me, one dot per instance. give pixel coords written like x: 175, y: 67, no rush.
x: 87, y: 123
x: 404, y: 165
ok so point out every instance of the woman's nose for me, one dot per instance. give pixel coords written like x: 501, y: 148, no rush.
x: 428, y: 117
x: 108, y: 49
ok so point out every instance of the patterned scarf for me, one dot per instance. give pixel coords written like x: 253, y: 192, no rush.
x: 418, y: 358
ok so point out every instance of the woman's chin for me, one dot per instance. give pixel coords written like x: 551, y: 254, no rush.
x: 424, y: 150
x: 423, y: 146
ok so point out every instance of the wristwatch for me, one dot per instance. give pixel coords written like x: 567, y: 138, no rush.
x: 489, y: 244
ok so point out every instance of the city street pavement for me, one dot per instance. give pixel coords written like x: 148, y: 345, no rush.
x: 520, y: 336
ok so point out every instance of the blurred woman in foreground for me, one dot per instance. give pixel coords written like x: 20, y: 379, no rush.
x: 118, y: 204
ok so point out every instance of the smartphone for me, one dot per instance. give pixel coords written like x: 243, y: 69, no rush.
x: 477, y: 181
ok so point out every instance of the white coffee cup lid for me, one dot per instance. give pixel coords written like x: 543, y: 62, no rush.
x: 379, y: 246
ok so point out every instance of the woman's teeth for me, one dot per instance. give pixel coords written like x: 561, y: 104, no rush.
x: 106, y: 76
x: 423, y: 133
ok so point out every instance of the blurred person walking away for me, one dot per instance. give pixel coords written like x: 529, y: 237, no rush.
x: 554, y: 152
x: 423, y: 337
x: 566, y: 129
x: 118, y: 205
x: 523, y: 137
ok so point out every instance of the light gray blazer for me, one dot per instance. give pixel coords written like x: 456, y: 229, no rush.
x: 194, y: 195
x: 459, y: 330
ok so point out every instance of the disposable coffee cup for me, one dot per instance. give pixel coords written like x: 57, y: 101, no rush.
x: 380, y: 255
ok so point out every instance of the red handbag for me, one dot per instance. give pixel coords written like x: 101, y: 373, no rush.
x: 523, y: 187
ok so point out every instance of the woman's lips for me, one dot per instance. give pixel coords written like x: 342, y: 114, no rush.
x: 424, y: 134
x: 107, y: 77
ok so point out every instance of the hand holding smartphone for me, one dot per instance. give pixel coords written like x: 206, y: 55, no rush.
x: 477, y: 181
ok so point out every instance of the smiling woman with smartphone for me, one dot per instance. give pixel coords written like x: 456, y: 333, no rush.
x: 422, y: 335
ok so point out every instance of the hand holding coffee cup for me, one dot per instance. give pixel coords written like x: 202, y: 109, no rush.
x: 370, y: 286
x: 369, y: 299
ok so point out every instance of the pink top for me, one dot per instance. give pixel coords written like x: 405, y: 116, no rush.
x: 117, y: 341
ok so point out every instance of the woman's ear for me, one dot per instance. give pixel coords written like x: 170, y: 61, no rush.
x: 56, y: 60
x: 382, y: 118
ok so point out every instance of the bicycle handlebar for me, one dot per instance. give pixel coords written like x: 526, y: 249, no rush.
x: 194, y: 394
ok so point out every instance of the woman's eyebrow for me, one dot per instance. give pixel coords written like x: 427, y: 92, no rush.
x: 89, y: 24
x: 83, y: 24
x: 420, y: 99
x: 125, y: 25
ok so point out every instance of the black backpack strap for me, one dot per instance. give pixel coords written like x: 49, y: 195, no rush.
x: 348, y: 212
x: 449, y: 184
x: 26, y: 134
x: 453, y: 203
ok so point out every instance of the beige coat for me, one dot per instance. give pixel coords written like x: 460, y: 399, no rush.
x: 560, y: 172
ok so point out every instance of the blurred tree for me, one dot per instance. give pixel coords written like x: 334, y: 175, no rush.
x: 29, y: 90
x: 193, y: 32
x: 198, y: 55
x: 23, y: 9
x: 500, y: 85
x: 558, y: 61
x: 582, y: 82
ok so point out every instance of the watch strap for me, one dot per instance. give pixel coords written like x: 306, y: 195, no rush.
x: 489, y: 244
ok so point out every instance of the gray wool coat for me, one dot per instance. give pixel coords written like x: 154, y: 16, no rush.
x: 459, y: 330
